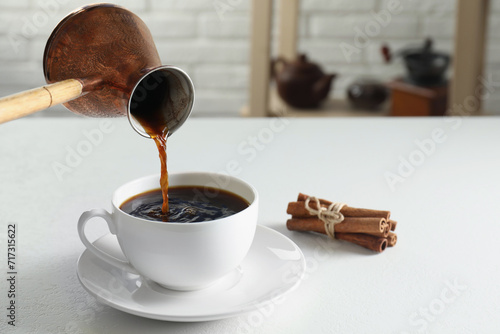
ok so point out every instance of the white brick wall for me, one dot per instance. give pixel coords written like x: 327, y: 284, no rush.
x: 338, y: 5
x: 439, y: 26
x: 215, y: 51
x: 328, y: 25
x: 425, y: 6
x: 235, y: 25
x: 15, y: 4
x: 182, y: 26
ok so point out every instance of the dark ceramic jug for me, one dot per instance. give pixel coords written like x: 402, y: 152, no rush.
x: 367, y: 94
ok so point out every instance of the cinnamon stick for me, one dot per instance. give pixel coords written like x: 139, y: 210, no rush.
x: 373, y: 226
x: 393, y: 224
x: 377, y: 244
x: 368, y: 225
x: 387, y: 228
x: 347, y: 211
x: 302, y: 197
x: 392, y: 238
x: 306, y: 225
x: 298, y: 209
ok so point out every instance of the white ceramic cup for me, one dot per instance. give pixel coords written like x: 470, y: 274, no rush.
x: 179, y: 256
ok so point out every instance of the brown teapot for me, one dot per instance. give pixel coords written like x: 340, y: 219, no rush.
x: 301, y: 84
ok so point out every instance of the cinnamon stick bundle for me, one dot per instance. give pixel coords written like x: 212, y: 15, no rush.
x: 368, y: 225
x: 365, y: 227
x: 347, y: 211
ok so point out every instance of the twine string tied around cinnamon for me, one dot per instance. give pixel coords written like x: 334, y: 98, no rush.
x: 330, y: 216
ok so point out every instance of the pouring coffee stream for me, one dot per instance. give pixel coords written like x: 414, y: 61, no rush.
x: 152, y: 109
x: 101, y: 61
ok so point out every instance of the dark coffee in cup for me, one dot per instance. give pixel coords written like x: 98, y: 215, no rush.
x: 187, y: 204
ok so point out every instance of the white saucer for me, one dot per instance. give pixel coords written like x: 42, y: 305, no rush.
x: 274, y: 266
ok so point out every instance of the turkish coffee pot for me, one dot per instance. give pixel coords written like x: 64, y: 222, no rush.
x: 99, y: 61
x: 424, y: 66
x: 300, y: 83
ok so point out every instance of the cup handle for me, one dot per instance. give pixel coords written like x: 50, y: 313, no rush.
x: 84, y: 218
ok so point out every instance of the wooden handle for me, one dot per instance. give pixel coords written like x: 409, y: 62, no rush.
x: 30, y: 101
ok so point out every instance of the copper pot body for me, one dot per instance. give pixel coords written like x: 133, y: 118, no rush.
x: 110, y: 50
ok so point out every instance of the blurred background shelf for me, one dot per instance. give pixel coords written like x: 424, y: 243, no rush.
x: 471, y: 22
x: 330, y: 108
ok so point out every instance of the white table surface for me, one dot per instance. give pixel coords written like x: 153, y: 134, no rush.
x: 443, y: 275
